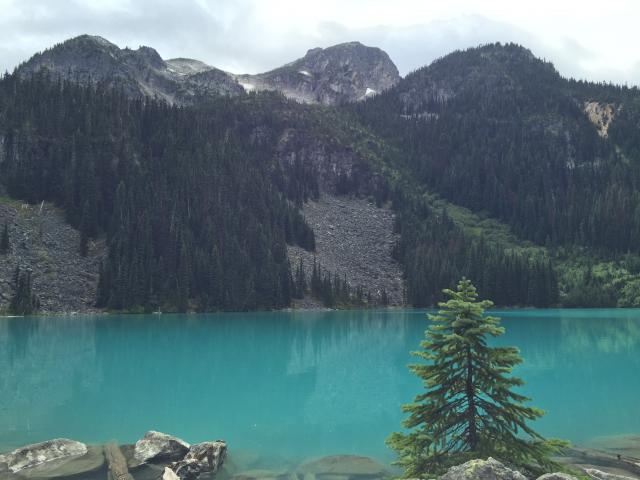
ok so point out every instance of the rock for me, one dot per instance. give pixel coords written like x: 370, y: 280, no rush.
x: 556, y: 476
x: 159, y: 446
x: 489, y: 469
x: 91, y: 462
x: 600, y: 475
x: 263, y: 475
x: 41, y: 453
x: 339, y: 467
x: 169, y: 474
x: 343, y: 73
x: 206, y: 457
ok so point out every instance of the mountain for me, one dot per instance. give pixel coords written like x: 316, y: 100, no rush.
x: 335, y: 75
x: 332, y: 76
x: 500, y: 132
x: 486, y: 163
x: 142, y: 72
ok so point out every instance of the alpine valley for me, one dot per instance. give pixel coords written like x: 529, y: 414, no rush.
x: 133, y: 183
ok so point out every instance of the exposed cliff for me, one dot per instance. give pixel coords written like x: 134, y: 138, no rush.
x: 43, y: 242
x: 332, y: 76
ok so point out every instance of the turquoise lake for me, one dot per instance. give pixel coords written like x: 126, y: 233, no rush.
x: 291, y: 384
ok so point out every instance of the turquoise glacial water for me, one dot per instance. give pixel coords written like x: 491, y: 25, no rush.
x: 291, y: 384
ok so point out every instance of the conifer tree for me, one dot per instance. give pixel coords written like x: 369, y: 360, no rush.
x: 4, y: 240
x: 24, y: 301
x: 469, y: 408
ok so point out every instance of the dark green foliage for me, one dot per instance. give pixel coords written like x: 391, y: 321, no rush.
x: 23, y: 301
x: 196, y: 210
x: 434, y: 251
x: 497, y: 130
x: 502, y: 133
x: 5, y: 244
x: 469, y: 408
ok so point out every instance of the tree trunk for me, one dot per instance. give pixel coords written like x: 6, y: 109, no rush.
x: 472, y: 437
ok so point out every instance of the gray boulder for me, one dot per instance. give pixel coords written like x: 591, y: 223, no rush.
x: 159, y: 446
x: 169, y: 474
x: 41, y: 453
x: 489, y: 469
x: 205, y: 457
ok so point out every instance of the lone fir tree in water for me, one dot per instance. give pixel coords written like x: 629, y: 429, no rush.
x: 469, y: 408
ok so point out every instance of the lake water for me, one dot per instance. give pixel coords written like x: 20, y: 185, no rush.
x: 291, y: 384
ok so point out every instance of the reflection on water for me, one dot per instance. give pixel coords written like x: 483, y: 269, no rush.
x: 291, y: 384
x: 43, y: 363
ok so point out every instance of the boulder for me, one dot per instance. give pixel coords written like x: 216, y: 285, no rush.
x: 41, y: 453
x: 489, y: 469
x: 261, y: 474
x: 85, y: 465
x: 205, y: 457
x: 556, y: 476
x: 169, y: 474
x: 600, y: 475
x: 341, y: 467
x: 155, y: 446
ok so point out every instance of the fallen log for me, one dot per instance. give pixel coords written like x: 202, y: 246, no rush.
x: 116, y: 462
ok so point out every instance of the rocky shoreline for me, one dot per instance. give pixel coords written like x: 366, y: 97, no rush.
x: 159, y: 456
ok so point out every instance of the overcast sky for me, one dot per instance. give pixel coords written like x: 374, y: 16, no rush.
x: 598, y: 40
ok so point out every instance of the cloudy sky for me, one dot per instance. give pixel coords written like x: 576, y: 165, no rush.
x: 598, y: 40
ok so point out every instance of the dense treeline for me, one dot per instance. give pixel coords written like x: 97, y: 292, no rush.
x: 197, y: 210
x: 495, y: 129
x: 188, y: 199
x: 434, y: 251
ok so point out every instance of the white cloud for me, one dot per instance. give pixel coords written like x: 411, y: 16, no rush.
x: 583, y: 38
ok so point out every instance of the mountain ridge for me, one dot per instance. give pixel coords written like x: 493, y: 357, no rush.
x: 341, y: 73
x: 490, y: 164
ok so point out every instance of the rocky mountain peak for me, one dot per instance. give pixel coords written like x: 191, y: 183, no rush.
x: 334, y: 75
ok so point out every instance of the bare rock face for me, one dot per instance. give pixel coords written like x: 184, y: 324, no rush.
x: 335, y: 75
x: 43, y: 242
x: 354, y: 240
x: 41, y: 453
x: 489, y: 469
x: 160, y: 446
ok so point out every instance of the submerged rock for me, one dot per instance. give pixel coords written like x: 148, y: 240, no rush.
x: 489, y: 469
x: 600, y: 475
x: 336, y: 466
x: 205, y: 457
x: 42, y: 453
x: 159, y: 446
x: 556, y: 476
x: 91, y: 462
x: 260, y: 474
